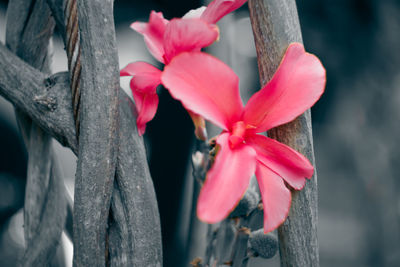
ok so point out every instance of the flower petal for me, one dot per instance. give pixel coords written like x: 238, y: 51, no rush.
x: 219, y: 8
x: 206, y: 86
x: 145, y: 77
x: 185, y: 35
x: 153, y: 33
x: 146, y: 106
x: 226, y: 181
x: 195, y: 13
x: 144, y: 82
x: 275, y: 196
x: 140, y: 67
x: 289, y: 164
x: 295, y: 87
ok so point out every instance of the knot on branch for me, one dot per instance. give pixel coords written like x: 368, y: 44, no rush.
x: 49, y: 82
x: 47, y: 102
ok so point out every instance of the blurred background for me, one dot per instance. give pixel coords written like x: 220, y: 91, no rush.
x: 356, y: 127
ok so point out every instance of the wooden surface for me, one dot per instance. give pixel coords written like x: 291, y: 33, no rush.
x: 275, y: 25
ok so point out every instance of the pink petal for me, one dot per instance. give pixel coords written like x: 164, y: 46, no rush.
x: 275, y: 196
x: 219, y: 8
x: 145, y: 77
x: 295, y: 87
x: 153, y: 33
x: 144, y: 82
x: 289, y: 164
x: 140, y: 67
x: 206, y: 86
x: 146, y: 105
x: 226, y: 181
x: 187, y: 35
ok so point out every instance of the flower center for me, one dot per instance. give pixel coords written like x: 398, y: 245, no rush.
x: 237, y: 134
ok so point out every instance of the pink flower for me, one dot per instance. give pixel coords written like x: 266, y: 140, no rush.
x: 144, y: 82
x: 208, y: 87
x: 166, y: 39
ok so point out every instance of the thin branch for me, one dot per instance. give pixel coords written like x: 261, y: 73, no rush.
x: 275, y: 24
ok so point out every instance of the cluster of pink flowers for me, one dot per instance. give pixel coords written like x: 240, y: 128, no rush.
x: 209, y: 90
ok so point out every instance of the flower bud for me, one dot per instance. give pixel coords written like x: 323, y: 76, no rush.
x: 263, y: 245
x: 247, y: 204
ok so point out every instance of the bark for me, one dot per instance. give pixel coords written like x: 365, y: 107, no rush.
x: 136, y: 197
x: 275, y: 25
x: 98, y: 138
x: 48, y: 101
x: 29, y: 29
x: 134, y: 224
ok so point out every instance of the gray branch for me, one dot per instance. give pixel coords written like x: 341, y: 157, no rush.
x: 275, y: 24
x: 98, y: 137
x: 48, y: 232
x: 30, y: 90
x: 134, y: 228
x: 44, y: 211
x: 137, y: 197
x: 20, y: 87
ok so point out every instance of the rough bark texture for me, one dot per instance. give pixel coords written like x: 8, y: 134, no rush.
x: 275, y: 25
x: 46, y: 99
x: 134, y: 225
x: 132, y: 169
x: 44, y: 211
x: 98, y: 137
x: 138, y: 208
x: 134, y: 229
x: 48, y: 234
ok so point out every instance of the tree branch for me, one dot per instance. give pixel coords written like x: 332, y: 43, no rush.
x: 20, y: 83
x: 46, y: 239
x: 275, y: 25
x: 44, y: 211
x: 46, y: 99
x: 137, y: 197
x: 98, y: 137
